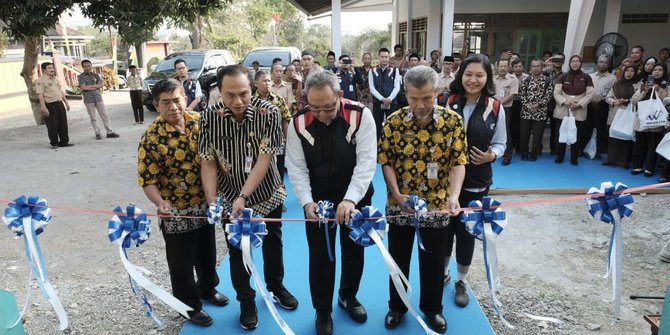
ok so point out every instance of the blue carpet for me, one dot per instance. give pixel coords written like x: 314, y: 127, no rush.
x: 373, y: 293
x: 544, y: 173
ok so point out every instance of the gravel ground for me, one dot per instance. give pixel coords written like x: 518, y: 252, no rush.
x: 552, y: 257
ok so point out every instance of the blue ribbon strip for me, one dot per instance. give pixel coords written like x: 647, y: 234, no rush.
x: 215, y: 211
x: 325, y: 211
x: 363, y: 221
x: 138, y: 227
x: 420, y: 209
x: 474, y: 221
x: 243, y: 226
x: 33, y: 207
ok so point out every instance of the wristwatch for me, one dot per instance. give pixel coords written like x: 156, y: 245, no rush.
x: 243, y: 196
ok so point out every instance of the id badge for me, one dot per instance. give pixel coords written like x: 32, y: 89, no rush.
x: 248, y: 162
x: 351, y: 87
x: 431, y: 169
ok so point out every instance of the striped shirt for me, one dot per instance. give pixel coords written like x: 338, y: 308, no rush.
x: 229, y: 142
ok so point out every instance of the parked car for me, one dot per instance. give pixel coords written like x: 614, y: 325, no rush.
x: 202, y: 65
x: 265, y: 55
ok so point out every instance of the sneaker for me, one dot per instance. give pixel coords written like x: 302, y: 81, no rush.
x: 461, y: 296
x: 354, y: 308
x: 248, y: 314
x: 285, y: 299
x: 112, y: 135
x: 97, y: 136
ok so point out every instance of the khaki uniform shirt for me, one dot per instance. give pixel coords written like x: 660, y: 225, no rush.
x: 444, y: 81
x: 284, y: 90
x: 50, y: 88
x: 506, y: 86
x: 602, y: 83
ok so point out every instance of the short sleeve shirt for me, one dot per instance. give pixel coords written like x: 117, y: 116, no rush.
x: 284, y: 90
x: 169, y: 159
x: 409, y: 149
x: 235, y: 144
x: 50, y: 88
x: 505, y: 86
x: 90, y: 79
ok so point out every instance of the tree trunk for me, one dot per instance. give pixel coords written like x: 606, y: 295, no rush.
x: 197, y: 32
x: 139, y: 51
x: 29, y: 74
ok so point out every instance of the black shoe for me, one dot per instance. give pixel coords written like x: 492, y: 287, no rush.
x: 54, y: 147
x: 392, y: 319
x: 112, y: 135
x: 354, y: 308
x: 216, y: 298
x: 447, y: 278
x: 506, y: 161
x: 323, y: 322
x: 558, y: 160
x: 201, y: 318
x: 532, y: 158
x: 574, y: 162
x: 285, y: 299
x: 608, y: 163
x: 66, y: 145
x: 525, y: 158
x: 598, y: 157
x: 437, y: 322
x: 461, y: 296
x: 648, y: 173
x: 636, y: 172
x: 248, y: 314
x: 98, y: 137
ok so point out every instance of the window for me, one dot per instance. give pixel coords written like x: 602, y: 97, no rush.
x: 419, y: 35
x: 645, y: 18
x: 402, y: 34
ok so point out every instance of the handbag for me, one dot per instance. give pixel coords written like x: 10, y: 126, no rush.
x: 663, y: 147
x: 568, y: 132
x: 591, y: 147
x: 652, y: 112
x: 623, y: 125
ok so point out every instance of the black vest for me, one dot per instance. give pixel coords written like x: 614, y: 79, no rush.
x: 330, y: 151
x: 347, y: 81
x: 479, y: 133
x: 383, y: 80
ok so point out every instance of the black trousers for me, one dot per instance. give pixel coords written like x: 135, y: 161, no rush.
x: 582, y: 138
x: 380, y: 114
x: 185, y: 251
x: 596, y: 118
x: 465, y: 242
x: 535, y: 128
x: 57, y: 123
x: 431, y: 265
x: 136, y: 102
x: 512, y: 123
x: 553, y: 137
x: 273, y: 261
x: 322, y: 270
x: 281, y: 166
x: 644, y: 149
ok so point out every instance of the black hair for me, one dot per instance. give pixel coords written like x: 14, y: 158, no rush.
x: 230, y: 70
x: 547, y: 53
x: 179, y: 60
x: 414, y: 55
x: 86, y: 61
x: 259, y: 73
x: 331, y: 53
x: 343, y: 56
x: 397, y: 46
x: 45, y: 64
x: 457, y: 85
x: 166, y: 85
x: 255, y: 62
x: 276, y: 60
x: 383, y: 50
x: 132, y: 67
x: 517, y: 61
x: 637, y: 46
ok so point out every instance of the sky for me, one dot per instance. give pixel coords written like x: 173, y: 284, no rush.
x: 352, y: 22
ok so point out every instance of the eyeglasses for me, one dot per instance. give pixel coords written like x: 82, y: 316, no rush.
x: 328, y: 109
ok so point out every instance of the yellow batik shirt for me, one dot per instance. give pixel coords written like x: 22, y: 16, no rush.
x: 170, y: 160
x: 412, y: 151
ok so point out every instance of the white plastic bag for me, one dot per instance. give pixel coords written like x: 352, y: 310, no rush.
x: 623, y: 125
x: 568, y: 132
x: 591, y: 148
x: 663, y: 147
x: 652, y: 112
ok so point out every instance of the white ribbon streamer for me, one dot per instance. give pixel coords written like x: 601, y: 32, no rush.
x: 268, y: 297
x: 34, y: 257
x: 492, y: 273
x: 137, y: 273
x: 615, y: 267
x: 398, y: 279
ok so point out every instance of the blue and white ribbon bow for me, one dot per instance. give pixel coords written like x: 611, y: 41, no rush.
x: 215, y: 211
x: 486, y: 223
x: 132, y: 229
x: 28, y: 217
x: 325, y: 211
x: 420, y: 212
x: 245, y: 234
x: 368, y: 228
x: 610, y: 208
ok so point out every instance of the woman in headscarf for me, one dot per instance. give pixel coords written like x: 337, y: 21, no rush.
x: 626, y: 62
x: 572, y: 91
x: 646, y: 140
x: 647, y: 68
x: 618, y: 150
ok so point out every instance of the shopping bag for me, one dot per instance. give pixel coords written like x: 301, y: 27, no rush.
x: 623, y: 125
x: 652, y: 112
x: 663, y: 147
x: 568, y: 132
x: 591, y: 147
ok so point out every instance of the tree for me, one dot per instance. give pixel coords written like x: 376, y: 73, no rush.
x: 3, y: 42
x: 29, y: 20
x: 193, y: 14
x: 369, y: 40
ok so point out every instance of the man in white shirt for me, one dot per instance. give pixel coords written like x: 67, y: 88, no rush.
x: 331, y: 156
x: 385, y: 81
x: 597, y: 110
x: 507, y: 87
